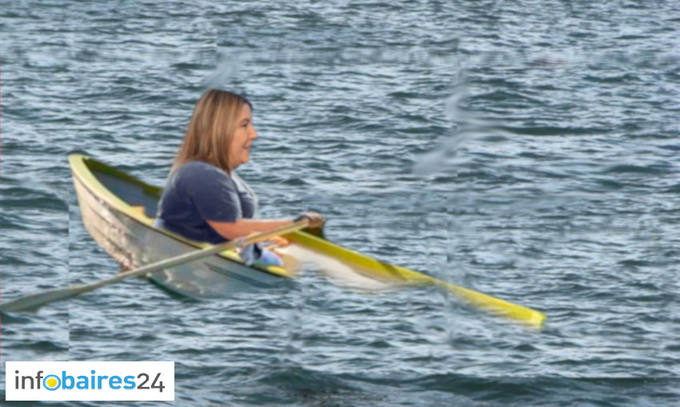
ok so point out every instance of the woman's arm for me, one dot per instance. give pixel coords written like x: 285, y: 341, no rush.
x: 245, y: 227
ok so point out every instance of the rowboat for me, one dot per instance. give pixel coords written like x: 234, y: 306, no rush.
x: 118, y: 211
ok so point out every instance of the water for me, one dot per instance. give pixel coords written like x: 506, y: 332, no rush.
x: 524, y: 149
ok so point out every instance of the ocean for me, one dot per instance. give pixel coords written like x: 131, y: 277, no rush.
x: 528, y: 150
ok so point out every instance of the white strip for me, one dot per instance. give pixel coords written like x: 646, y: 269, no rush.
x: 335, y: 269
x: 93, y: 380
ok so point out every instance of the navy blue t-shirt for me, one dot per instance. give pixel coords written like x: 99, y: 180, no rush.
x: 198, y: 192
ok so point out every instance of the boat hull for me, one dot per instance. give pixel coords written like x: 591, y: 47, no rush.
x: 126, y: 232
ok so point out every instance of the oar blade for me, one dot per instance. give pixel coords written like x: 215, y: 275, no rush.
x: 34, y: 301
x: 385, y: 272
x: 495, y: 305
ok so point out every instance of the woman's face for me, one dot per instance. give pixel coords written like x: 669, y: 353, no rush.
x: 239, y: 151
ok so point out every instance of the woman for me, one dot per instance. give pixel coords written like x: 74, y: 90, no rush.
x: 204, y: 199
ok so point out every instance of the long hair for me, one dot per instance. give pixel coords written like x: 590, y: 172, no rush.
x: 211, y: 129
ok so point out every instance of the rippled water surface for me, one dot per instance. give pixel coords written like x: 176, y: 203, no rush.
x: 527, y: 149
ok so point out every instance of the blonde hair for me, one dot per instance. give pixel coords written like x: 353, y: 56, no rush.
x: 211, y: 129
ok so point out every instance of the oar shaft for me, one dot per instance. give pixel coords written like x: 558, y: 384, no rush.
x: 35, y: 301
x: 195, y: 255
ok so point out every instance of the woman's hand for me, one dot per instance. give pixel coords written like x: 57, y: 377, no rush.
x: 316, y: 221
x: 276, y: 241
x: 273, y: 241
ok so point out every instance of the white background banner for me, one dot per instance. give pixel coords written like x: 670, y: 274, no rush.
x: 129, y: 381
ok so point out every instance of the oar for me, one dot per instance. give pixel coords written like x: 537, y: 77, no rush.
x: 380, y: 271
x: 35, y: 301
x: 495, y: 305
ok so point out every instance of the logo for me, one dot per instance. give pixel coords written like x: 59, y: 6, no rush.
x: 126, y: 381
